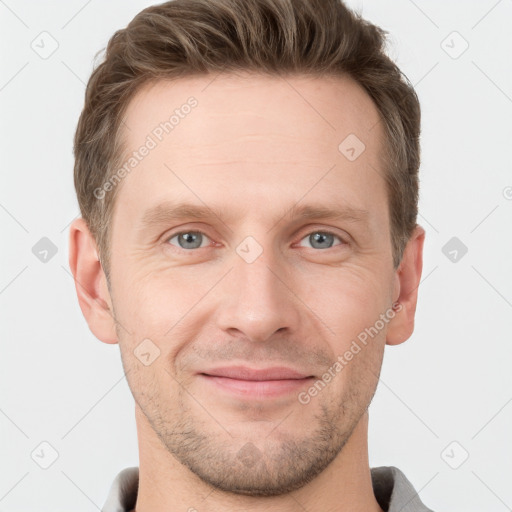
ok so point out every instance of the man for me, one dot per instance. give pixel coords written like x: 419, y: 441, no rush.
x: 247, y: 177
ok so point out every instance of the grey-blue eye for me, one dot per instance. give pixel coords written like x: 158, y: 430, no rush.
x: 195, y: 240
x: 321, y: 239
x: 189, y: 239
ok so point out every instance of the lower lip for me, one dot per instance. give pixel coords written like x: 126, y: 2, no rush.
x: 257, y: 388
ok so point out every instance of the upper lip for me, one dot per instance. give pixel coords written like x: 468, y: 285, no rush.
x: 245, y: 373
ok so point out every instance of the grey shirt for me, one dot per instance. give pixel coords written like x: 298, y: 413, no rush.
x: 392, y: 490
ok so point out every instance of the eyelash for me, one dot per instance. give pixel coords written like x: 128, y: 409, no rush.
x: 322, y: 231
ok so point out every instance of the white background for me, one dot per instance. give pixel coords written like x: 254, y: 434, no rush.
x: 451, y: 381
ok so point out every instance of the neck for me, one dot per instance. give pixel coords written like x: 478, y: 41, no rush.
x: 166, y: 485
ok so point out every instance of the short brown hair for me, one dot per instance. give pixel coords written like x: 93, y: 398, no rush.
x: 189, y: 37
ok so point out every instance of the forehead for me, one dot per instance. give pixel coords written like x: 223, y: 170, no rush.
x: 295, y: 105
x: 271, y: 136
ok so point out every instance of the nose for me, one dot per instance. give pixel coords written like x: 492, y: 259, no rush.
x: 257, y: 299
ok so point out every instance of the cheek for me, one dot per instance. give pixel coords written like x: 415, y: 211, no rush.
x: 349, y: 301
x: 150, y: 302
x: 153, y: 388
x: 357, y: 374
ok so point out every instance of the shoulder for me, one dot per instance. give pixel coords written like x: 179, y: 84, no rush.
x: 123, y: 491
x: 394, y: 491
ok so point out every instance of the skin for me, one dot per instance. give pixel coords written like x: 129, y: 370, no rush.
x: 254, y: 147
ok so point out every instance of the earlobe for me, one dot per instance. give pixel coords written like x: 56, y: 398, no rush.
x: 407, y: 281
x: 90, y: 282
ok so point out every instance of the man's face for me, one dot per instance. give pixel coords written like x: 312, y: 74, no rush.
x: 255, y: 284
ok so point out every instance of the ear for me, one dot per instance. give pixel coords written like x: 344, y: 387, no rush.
x: 90, y: 282
x: 407, y: 281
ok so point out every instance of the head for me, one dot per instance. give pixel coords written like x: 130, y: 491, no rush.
x: 247, y: 174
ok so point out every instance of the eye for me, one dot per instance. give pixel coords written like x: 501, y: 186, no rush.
x: 189, y: 240
x: 322, y: 239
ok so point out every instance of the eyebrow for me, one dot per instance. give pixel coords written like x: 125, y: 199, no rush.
x: 169, y: 211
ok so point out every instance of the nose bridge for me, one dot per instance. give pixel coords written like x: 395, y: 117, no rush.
x: 256, y: 299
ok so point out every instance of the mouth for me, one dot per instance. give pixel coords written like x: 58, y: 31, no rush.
x: 256, y: 383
